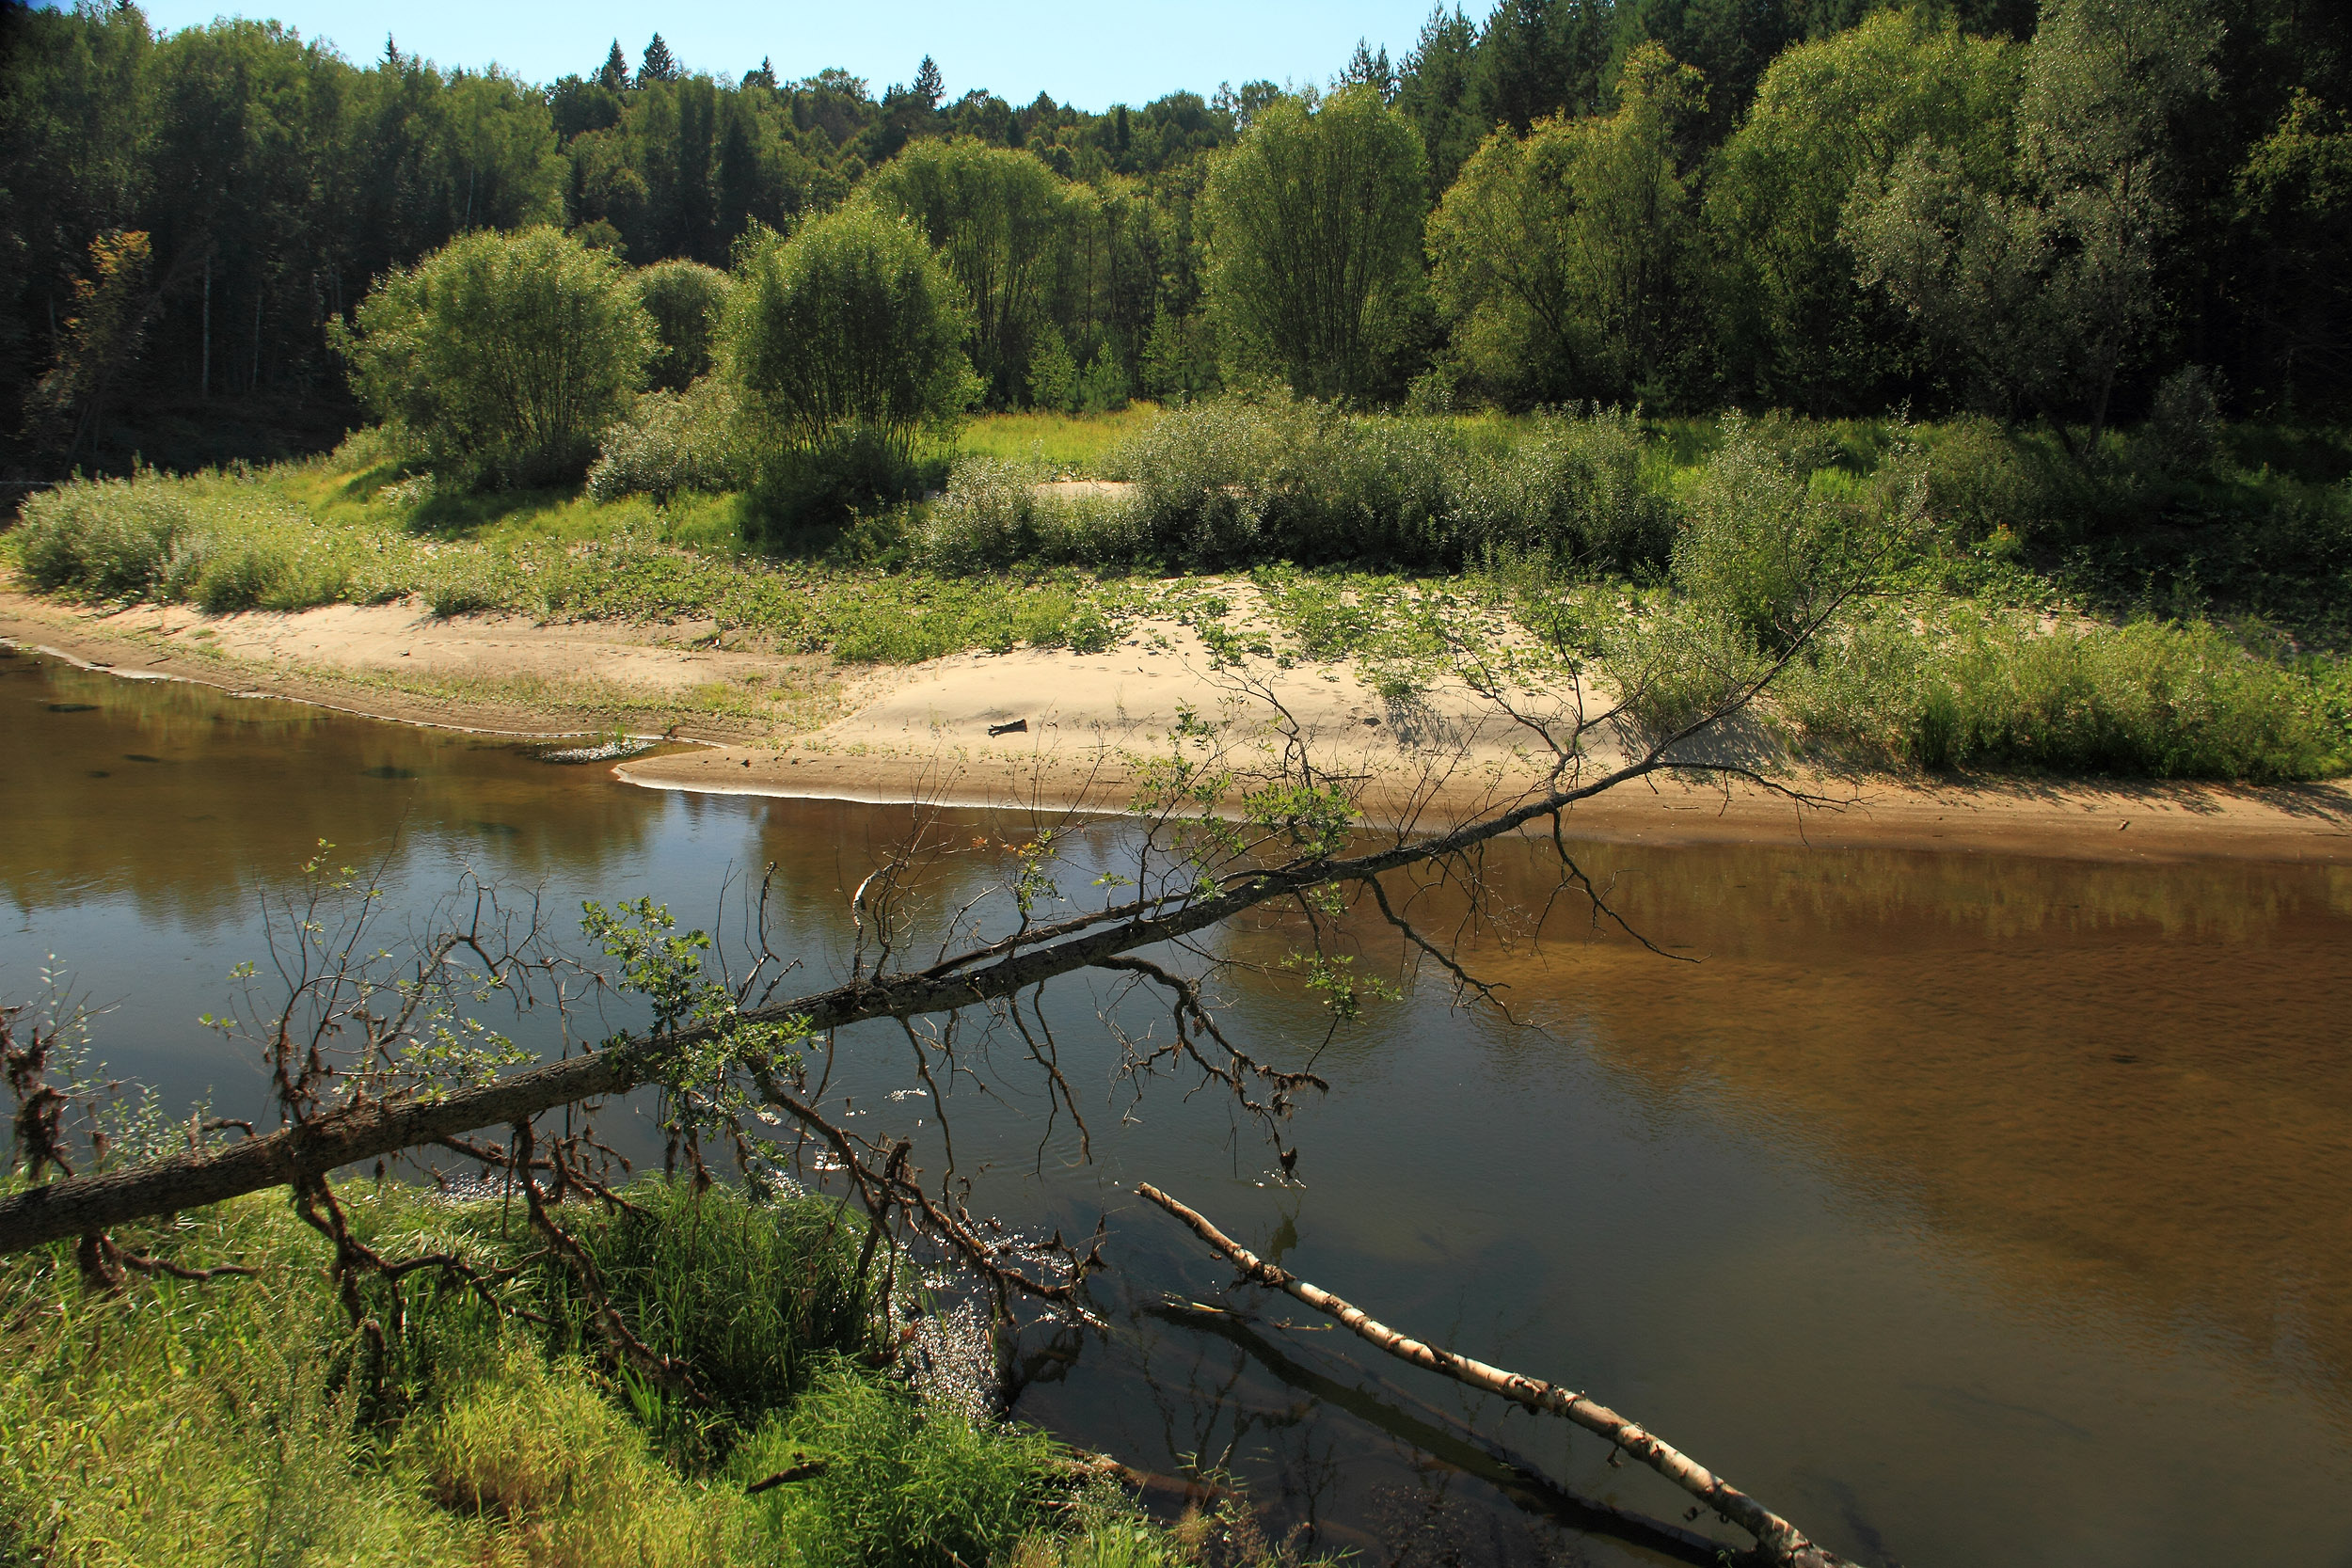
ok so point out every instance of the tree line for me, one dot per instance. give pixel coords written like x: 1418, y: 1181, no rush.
x: 1834, y: 206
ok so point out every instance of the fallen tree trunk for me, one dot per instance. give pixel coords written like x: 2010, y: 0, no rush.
x: 372, y: 1129
x: 1780, y: 1541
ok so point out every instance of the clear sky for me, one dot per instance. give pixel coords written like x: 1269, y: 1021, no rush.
x: 1092, y: 55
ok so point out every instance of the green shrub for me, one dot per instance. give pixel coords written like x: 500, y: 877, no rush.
x: 1770, y: 539
x: 499, y: 360
x: 845, y: 345
x: 993, y: 515
x: 688, y: 303
x: 854, y: 478
x: 214, y: 540
x: 2147, y: 700
x: 238, y: 574
x: 753, y: 1296
x: 904, y: 1484
x: 107, y: 539
x: 673, y: 441
x: 1241, y: 480
x: 183, y: 1422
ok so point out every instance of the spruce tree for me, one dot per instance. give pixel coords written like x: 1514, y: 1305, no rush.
x: 930, y: 86
x: 657, y: 66
x: 615, y: 77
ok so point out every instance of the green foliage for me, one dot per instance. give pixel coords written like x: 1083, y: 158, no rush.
x: 995, y: 515
x: 846, y: 344
x: 2042, y: 275
x: 1772, y: 541
x: 501, y: 358
x: 904, y: 1486
x: 214, y: 542
x: 996, y: 217
x: 754, y: 1297
x: 1556, y: 256
x: 2147, y: 699
x: 1796, y: 324
x: 687, y: 304
x: 1315, y: 222
x: 1239, y: 480
x: 851, y: 321
x: 239, y: 1421
x: 1064, y: 446
x: 674, y: 441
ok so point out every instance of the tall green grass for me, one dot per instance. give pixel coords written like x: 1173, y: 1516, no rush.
x: 1239, y: 482
x: 2147, y: 699
x: 227, y: 542
x: 236, y: 1422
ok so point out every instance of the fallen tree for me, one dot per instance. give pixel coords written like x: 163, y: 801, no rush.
x: 375, y: 1055
x: 1776, y: 1538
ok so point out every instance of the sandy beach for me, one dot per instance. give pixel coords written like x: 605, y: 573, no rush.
x: 1051, y: 730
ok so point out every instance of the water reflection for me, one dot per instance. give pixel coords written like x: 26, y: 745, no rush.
x: 1967, y: 1208
x: 185, y: 800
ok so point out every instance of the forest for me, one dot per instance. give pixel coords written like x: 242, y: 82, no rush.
x: 1825, y: 206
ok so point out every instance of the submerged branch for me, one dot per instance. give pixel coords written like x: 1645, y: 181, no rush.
x: 368, y: 1129
x: 1781, y: 1542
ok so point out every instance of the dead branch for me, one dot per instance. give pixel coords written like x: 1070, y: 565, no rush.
x: 1780, y: 1541
x: 368, y: 1128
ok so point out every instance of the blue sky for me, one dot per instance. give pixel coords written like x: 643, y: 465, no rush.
x: 1093, y: 55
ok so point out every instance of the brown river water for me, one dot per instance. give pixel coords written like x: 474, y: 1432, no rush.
x: 1965, y: 1209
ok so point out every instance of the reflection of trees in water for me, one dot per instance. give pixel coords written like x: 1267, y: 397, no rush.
x: 238, y: 791
x: 2121, y: 1085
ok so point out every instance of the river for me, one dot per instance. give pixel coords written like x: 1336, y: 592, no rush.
x: 1965, y: 1209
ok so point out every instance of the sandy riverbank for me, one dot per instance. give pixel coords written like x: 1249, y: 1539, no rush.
x: 1086, y: 720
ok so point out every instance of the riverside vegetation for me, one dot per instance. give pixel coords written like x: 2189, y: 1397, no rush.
x: 2021, y: 620
x: 1473, y: 326
x: 1449, y: 358
x: 241, y: 1420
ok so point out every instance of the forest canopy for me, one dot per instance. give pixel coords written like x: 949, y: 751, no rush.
x: 2036, y: 211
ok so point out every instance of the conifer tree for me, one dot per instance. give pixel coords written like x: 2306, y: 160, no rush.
x: 930, y: 86
x: 615, y: 77
x: 657, y: 66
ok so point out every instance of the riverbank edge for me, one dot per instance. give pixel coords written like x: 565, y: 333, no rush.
x: 82, y: 638
x: 2069, y: 818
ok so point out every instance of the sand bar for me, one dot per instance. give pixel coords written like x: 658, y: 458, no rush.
x: 925, y: 734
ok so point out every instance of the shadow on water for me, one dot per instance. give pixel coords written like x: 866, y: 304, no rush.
x: 1965, y: 1209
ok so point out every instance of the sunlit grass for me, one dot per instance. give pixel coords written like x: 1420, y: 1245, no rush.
x: 1071, y: 445
x: 174, y: 1422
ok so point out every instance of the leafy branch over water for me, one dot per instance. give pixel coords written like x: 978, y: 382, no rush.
x: 375, y: 1053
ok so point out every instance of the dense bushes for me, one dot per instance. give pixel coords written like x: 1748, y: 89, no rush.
x: 1770, y: 540
x: 214, y: 543
x: 1237, y: 482
x: 687, y: 303
x: 2147, y: 699
x: 501, y: 358
x: 674, y: 441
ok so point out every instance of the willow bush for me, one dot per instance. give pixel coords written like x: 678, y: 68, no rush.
x: 844, y: 343
x: 500, y: 360
x: 687, y: 303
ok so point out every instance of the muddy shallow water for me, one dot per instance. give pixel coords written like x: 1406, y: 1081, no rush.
x: 1964, y: 1209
